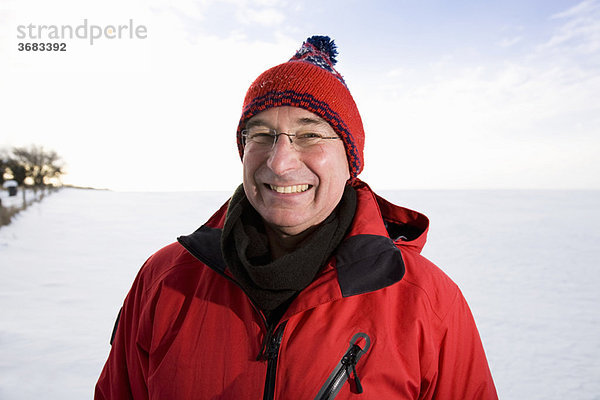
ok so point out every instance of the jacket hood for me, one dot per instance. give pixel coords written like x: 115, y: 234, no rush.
x: 407, y: 228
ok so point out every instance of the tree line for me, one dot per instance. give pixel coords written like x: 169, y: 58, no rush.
x: 32, y: 166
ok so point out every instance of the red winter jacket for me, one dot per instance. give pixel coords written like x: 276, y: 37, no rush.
x: 378, y: 319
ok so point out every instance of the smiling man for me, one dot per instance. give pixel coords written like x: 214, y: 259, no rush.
x: 305, y: 284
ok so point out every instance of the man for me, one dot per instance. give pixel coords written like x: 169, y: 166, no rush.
x: 306, y: 284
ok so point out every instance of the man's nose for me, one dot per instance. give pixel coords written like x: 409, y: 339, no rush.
x: 283, y: 156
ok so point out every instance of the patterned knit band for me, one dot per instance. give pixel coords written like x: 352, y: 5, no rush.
x: 309, y: 81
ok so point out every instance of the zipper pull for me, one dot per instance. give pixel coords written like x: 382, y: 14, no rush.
x: 262, y: 354
x: 349, y: 361
x: 271, y: 342
x: 273, y: 348
x: 345, y: 368
x: 359, y: 388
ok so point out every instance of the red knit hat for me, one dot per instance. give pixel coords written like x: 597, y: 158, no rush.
x: 309, y: 81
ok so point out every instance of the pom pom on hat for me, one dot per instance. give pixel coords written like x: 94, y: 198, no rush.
x: 310, y: 81
x: 325, y: 45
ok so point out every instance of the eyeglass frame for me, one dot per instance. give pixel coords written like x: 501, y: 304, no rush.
x: 275, y: 135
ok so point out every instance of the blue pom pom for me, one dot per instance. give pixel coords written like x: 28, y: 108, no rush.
x: 326, y: 45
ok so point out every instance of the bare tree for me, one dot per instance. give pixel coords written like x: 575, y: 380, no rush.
x: 32, y: 163
x: 38, y: 164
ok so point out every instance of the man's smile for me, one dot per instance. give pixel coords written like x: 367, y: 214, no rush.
x: 289, y: 189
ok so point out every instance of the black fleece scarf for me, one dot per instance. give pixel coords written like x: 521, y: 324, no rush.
x: 272, y: 284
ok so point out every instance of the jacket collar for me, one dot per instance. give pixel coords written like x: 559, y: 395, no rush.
x: 369, y: 258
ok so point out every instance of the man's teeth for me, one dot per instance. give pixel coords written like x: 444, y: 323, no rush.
x: 290, y: 189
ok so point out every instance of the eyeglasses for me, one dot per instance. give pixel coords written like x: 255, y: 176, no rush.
x: 266, y: 138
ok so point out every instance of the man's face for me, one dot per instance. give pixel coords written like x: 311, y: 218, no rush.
x: 291, y: 189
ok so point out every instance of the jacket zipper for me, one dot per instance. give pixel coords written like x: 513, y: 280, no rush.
x: 271, y: 343
x: 345, y: 369
x: 272, y: 355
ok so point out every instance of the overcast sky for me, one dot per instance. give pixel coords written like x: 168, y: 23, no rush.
x: 453, y: 95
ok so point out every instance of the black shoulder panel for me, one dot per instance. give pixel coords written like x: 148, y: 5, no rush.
x: 366, y: 263
x: 205, y: 245
x: 114, y: 331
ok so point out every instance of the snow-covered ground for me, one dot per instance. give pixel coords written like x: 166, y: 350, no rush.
x: 527, y: 261
x: 17, y: 200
